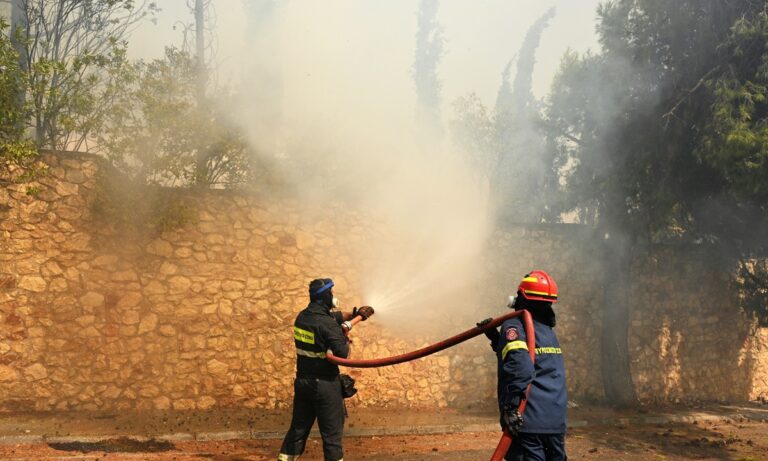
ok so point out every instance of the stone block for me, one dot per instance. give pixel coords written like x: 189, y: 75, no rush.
x: 205, y: 402
x: 238, y: 391
x: 149, y: 391
x: 304, y: 240
x: 51, y: 269
x: 130, y: 317
x: 154, y: 288
x: 167, y: 330
x: 184, y: 404
x: 167, y: 268
x: 130, y: 299
x: 28, y: 267
x: 179, y: 284
x: 104, y: 260
x: 183, y: 252
x: 89, y: 332
x: 187, y: 311
x: 7, y: 374
x: 162, y: 403
x: 85, y: 321
x: 35, y: 372
x: 92, y: 300
x: 65, y: 188
x: 125, y: 276
x: 160, y: 247
x: 217, y: 368
x: 78, y: 242
x: 232, y: 285
x: 75, y: 175
x: 148, y: 323
x: 32, y: 283
x: 225, y: 307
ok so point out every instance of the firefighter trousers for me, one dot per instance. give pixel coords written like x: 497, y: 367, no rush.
x: 319, y: 399
x: 537, y: 447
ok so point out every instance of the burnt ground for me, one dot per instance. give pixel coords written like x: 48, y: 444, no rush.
x: 747, y: 441
x: 715, y: 433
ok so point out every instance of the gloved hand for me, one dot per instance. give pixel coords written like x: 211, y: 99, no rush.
x: 511, y: 420
x: 484, y: 322
x: 491, y: 333
x: 363, y: 311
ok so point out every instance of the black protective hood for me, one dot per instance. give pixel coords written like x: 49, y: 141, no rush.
x: 321, y: 292
x: 541, y: 311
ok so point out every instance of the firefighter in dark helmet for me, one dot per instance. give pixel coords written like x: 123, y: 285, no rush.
x: 539, y: 433
x: 317, y: 388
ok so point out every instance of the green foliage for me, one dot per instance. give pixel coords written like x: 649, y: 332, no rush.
x: 12, y: 83
x: 74, y: 88
x: 664, y: 132
x: 15, y: 150
x: 658, y: 126
x: 736, y: 143
x: 157, y: 129
x: 138, y: 209
x: 67, y: 50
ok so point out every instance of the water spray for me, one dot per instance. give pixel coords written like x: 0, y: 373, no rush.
x: 530, y: 334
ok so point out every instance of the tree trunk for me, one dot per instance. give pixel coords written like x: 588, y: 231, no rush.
x: 19, y: 28
x: 18, y: 21
x: 201, y: 162
x: 617, y: 376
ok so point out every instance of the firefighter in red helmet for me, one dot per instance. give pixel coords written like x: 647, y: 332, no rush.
x: 538, y: 434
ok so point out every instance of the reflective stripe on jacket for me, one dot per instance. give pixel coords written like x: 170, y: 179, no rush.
x: 316, y: 331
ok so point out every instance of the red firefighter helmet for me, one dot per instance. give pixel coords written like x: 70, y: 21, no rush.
x: 538, y: 286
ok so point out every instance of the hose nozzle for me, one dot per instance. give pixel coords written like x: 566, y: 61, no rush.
x: 363, y: 311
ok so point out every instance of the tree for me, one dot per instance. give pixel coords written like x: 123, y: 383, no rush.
x: 735, y: 138
x: 14, y: 149
x: 429, y: 51
x: 65, y: 46
x: 505, y: 144
x: 519, y: 181
x: 202, y: 173
x: 642, y: 126
x: 156, y: 128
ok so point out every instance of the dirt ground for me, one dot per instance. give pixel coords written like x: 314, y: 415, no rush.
x: 737, y: 441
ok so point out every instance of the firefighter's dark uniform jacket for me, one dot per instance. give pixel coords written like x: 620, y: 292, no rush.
x: 545, y: 410
x: 316, y: 331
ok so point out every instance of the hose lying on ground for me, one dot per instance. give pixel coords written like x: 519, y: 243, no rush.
x: 530, y: 335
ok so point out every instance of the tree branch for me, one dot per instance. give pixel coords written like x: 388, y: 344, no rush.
x: 688, y: 93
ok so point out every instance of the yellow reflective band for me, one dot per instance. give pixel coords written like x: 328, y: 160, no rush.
x: 531, y: 292
x: 530, y: 279
x: 303, y: 335
x: 511, y: 346
x: 549, y: 350
x: 312, y: 355
x: 284, y: 457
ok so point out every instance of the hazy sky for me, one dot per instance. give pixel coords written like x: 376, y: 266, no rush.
x: 322, y: 39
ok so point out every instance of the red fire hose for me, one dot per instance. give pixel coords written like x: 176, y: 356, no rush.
x: 530, y: 335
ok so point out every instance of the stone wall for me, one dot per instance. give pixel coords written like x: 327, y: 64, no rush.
x: 98, y: 317
x: 689, y: 340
